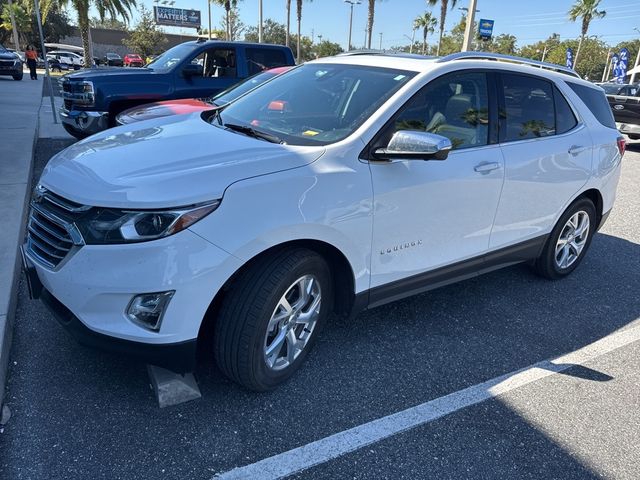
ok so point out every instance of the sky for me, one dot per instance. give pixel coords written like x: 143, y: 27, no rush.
x: 529, y: 21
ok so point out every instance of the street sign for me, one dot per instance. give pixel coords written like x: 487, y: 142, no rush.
x: 485, y: 29
x: 177, y: 17
x: 569, y: 58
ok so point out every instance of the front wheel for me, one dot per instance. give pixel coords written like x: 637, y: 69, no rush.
x: 18, y: 77
x: 79, y: 134
x: 272, y: 317
x: 568, y: 242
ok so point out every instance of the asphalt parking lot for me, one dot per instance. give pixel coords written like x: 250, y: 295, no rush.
x: 78, y: 413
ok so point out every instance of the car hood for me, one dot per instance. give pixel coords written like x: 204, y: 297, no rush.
x: 163, y: 109
x: 111, y: 72
x: 168, y: 162
x: 8, y: 56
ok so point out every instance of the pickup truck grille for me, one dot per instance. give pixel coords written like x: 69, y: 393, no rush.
x: 6, y: 63
x: 50, y: 233
x: 68, y: 104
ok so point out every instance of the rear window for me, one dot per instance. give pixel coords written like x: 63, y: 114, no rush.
x: 260, y: 59
x: 595, y: 101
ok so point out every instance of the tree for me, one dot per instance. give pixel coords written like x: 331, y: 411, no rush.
x: 427, y: 22
x: 298, y: 45
x: 112, y: 7
x: 370, y: 18
x: 22, y: 19
x: 272, y: 32
x: 504, y: 43
x: 108, y: 23
x: 587, y: 10
x: 287, y: 38
x: 145, y: 39
x: 55, y: 24
x: 228, y: 5
x: 232, y: 25
x: 444, y: 4
x: 327, y: 49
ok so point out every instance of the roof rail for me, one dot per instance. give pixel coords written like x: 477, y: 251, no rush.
x: 507, y: 58
x: 386, y: 53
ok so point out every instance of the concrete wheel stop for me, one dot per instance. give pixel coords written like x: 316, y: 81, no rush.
x: 172, y: 388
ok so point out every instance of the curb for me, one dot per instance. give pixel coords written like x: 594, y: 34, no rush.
x: 7, y: 318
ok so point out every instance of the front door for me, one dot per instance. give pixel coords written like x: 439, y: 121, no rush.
x: 429, y: 214
x: 218, y: 72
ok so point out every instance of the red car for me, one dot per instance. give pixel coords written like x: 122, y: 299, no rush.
x: 190, y: 105
x: 133, y: 60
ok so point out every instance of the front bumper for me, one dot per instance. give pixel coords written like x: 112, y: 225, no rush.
x: 15, y: 70
x: 85, y: 121
x: 628, y: 128
x: 179, y: 357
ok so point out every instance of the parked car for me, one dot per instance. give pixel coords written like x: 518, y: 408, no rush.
x: 343, y: 184
x: 625, y: 104
x: 71, y: 59
x: 19, y: 54
x: 190, y: 105
x: 93, y: 98
x: 133, y: 60
x: 54, y: 64
x: 112, y: 60
x: 10, y: 64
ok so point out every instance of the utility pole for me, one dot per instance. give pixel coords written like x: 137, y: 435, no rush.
x: 468, y: 29
x: 209, y: 5
x: 380, y: 41
x: 16, y: 41
x: 259, y: 21
x: 351, y: 4
x: 46, y: 62
x: 606, y: 65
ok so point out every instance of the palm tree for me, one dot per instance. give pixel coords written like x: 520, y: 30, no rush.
x: 587, y: 10
x: 299, y: 11
x: 288, y: 23
x: 112, y: 7
x: 427, y: 22
x: 443, y: 16
x: 228, y: 5
x: 372, y: 7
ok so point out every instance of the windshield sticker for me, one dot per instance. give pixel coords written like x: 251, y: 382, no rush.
x: 397, y: 78
x: 310, y: 133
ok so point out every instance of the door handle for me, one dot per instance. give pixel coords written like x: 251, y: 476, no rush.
x: 486, y: 167
x: 576, y: 149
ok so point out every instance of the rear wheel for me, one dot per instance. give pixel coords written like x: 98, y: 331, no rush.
x: 79, y: 134
x: 272, y: 317
x: 569, y: 241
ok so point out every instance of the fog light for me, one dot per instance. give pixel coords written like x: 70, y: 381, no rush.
x: 147, y: 309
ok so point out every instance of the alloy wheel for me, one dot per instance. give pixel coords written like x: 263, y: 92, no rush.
x: 572, y: 239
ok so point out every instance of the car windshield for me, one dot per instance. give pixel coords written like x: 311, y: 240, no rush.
x: 610, y: 89
x: 171, y: 57
x: 239, y: 89
x: 315, y: 104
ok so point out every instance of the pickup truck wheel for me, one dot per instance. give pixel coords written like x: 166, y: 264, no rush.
x: 272, y: 317
x: 18, y: 77
x: 568, y: 242
x: 79, y: 134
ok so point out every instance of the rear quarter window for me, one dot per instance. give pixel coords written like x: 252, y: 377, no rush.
x: 259, y: 59
x: 596, y: 101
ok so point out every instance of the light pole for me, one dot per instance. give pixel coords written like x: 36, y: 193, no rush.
x: 46, y: 62
x: 209, y: 4
x: 380, y: 41
x: 259, y: 21
x: 412, y: 38
x: 606, y: 65
x: 468, y: 29
x: 544, y: 52
x: 633, y: 75
x: 351, y: 4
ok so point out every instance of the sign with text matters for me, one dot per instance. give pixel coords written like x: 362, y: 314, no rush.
x: 176, y: 17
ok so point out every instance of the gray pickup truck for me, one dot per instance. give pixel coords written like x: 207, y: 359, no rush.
x: 625, y: 103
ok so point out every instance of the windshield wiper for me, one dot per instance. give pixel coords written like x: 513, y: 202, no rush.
x: 252, y: 132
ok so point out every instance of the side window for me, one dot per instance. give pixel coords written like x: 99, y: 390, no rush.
x: 217, y: 62
x: 529, y: 110
x: 596, y: 101
x: 565, y: 119
x: 455, y: 106
x: 259, y: 59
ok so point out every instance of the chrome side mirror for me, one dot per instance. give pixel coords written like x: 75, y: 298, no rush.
x: 412, y: 145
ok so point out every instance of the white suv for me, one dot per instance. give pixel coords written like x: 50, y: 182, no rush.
x: 343, y: 184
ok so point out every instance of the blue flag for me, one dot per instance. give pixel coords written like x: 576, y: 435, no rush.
x: 623, y: 62
x: 569, y: 58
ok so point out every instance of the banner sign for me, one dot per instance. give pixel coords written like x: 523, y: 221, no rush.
x: 177, y: 17
x: 621, y: 71
x: 485, y: 29
x: 569, y: 58
x: 615, y: 62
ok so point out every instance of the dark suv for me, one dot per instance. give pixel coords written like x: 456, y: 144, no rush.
x: 10, y: 63
x: 197, y: 69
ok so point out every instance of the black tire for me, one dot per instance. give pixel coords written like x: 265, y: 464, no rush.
x: 79, y: 134
x: 18, y: 77
x: 241, y: 327
x: 546, y: 265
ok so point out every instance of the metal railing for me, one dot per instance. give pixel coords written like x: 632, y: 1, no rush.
x: 507, y: 58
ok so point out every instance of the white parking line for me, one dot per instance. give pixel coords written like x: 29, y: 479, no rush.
x: 329, y: 448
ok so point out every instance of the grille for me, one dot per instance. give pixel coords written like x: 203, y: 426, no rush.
x: 66, y: 86
x: 68, y: 104
x: 51, y: 236
x: 6, y: 63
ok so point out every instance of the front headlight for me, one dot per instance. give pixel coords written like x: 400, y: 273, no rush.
x: 107, y: 225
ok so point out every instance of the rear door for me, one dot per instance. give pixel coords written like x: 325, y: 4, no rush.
x: 547, y: 152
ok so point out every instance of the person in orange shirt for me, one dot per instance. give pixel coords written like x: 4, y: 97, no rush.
x: 32, y: 58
